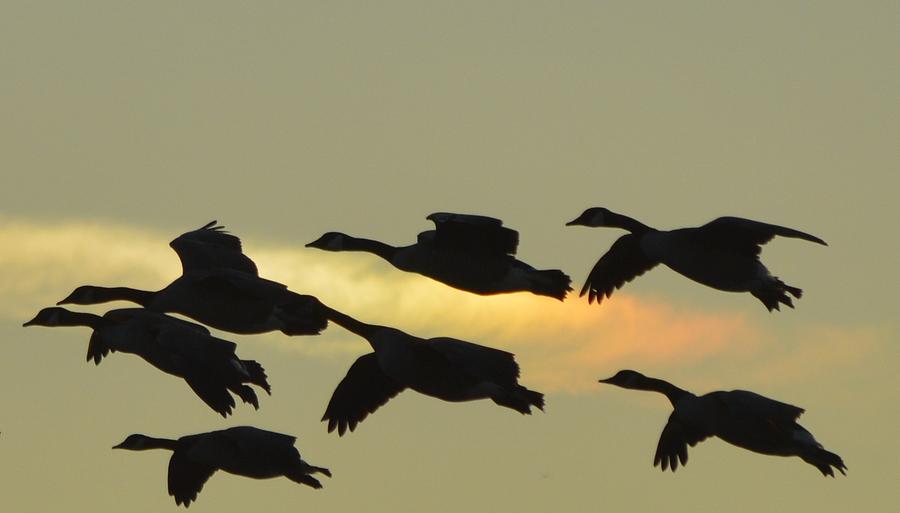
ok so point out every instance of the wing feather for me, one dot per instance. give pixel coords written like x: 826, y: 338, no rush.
x: 473, y: 233
x: 747, y: 236
x: 209, y: 247
x: 187, y: 477
x: 673, y: 443
x: 624, y: 262
x: 363, y: 390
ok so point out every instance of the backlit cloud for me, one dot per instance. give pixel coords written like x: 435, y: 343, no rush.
x: 561, y: 346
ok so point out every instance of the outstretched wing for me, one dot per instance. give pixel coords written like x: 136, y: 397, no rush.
x: 624, y: 262
x: 211, y: 247
x: 187, y: 477
x: 473, y: 233
x: 482, y: 362
x: 363, y: 390
x: 250, y: 441
x: 747, y: 236
x: 673, y: 443
x: 97, y: 347
x: 144, y: 317
x: 214, y: 394
x: 743, y: 403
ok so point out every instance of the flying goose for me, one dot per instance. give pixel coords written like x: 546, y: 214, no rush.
x: 739, y: 417
x: 219, y: 287
x: 244, y: 451
x: 445, y: 368
x: 468, y: 252
x: 722, y: 254
x: 176, y: 347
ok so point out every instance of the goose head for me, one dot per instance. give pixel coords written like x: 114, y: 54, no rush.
x: 83, y: 295
x: 594, y: 216
x: 331, y: 241
x: 52, y: 316
x: 626, y: 379
x: 136, y: 442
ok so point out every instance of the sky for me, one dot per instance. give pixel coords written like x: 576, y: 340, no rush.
x: 125, y: 124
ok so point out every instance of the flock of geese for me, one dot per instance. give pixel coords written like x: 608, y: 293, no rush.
x: 220, y: 287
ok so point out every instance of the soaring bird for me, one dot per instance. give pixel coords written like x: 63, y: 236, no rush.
x: 722, y: 254
x: 739, y: 417
x: 468, y: 252
x: 177, y: 347
x: 445, y: 368
x: 244, y: 450
x: 219, y: 287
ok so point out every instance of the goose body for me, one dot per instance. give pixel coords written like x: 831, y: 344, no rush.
x: 180, y: 348
x: 722, y: 254
x: 245, y: 451
x: 739, y: 417
x: 219, y: 287
x: 444, y: 368
x: 467, y: 252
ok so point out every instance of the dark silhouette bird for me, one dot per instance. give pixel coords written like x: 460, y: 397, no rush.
x: 176, y: 347
x: 219, y: 287
x: 245, y: 451
x: 467, y: 252
x: 722, y: 254
x: 445, y: 368
x: 739, y: 417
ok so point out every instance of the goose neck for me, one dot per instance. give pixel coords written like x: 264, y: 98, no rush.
x: 628, y: 223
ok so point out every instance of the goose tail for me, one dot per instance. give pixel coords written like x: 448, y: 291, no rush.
x: 774, y: 292
x: 521, y: 399
x: 553, y: 283
x: 300, y: 473
x: 257, y: 375
x: 247, y: 395
x: 302, y: 315
x: 825, y: 461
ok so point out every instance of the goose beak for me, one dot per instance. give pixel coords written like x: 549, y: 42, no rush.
x: 65, y: 301
x: 29, y: 323
x: 316, y: 243
x: 119, y: 446
x: 607, y: 380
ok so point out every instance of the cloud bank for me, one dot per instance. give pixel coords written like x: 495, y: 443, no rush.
x: 561, y: 346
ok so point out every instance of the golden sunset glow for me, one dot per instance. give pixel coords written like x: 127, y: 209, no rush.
x: 127, y: 124
x: 562, y: 346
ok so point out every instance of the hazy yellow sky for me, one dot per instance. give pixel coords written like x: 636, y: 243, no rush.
x: 125, y: 124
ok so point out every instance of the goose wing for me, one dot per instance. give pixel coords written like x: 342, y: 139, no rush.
x: 210, y: 246
x: 673, y: 443
x: 624, y: 262
x: 177, y: 339
x: 97, y: 347
x: 245, y: 295
x: 480, y: 361
x: 743, y: 403
x: 148, y: 317
x: 238, y: 282
x: 187, y: 476
x: 237, y: 298
x: 211, y: 392
x: 267, y: 445
x: 363, y: 390
x: 473, y: 233
x: 748, y: 236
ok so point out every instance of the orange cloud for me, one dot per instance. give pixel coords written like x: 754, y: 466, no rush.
x: 561, y: 346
